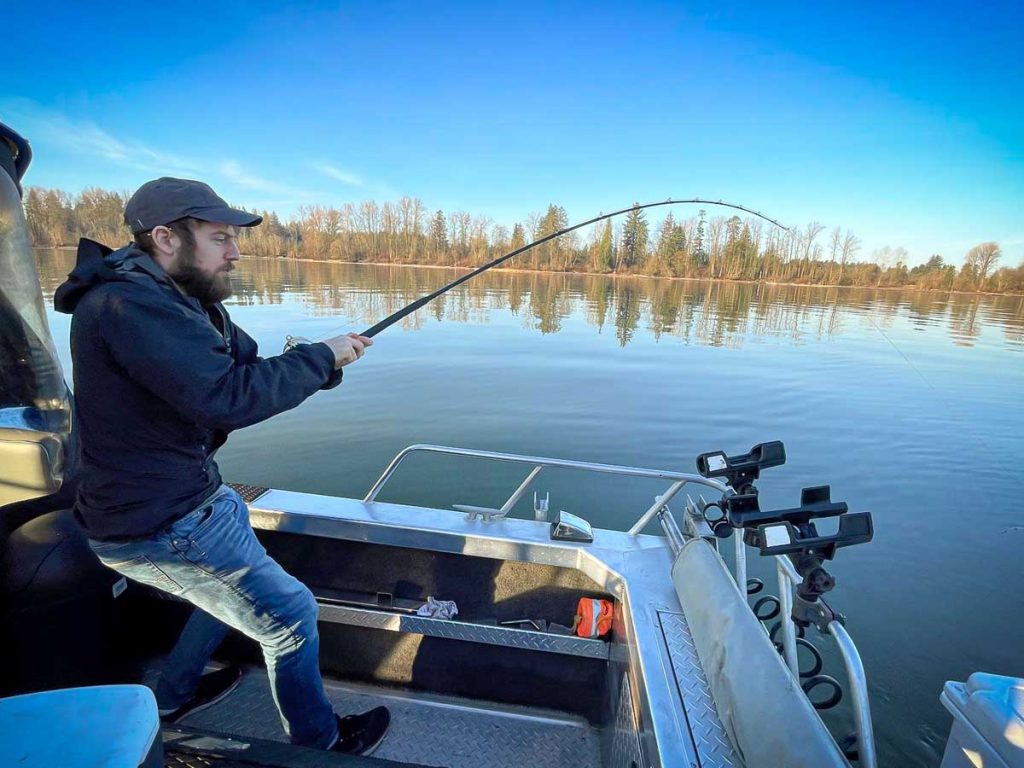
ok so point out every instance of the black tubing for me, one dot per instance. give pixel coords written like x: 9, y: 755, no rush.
x: 777, y: 626
x: 815, y: 654
x: 812, y: 683
x: 849, y: 747
x: 766, y: 600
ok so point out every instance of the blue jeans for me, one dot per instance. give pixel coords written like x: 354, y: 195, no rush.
x: 211, y: 558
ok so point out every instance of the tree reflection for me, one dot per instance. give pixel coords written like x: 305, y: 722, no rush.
x: 723, y: 314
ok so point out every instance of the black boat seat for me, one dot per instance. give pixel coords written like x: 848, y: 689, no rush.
x: 56, y: 607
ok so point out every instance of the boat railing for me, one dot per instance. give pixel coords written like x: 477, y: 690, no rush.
x: 677, y: 480
x: 858, y: 684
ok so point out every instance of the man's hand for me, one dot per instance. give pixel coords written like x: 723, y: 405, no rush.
x: 348, y: 348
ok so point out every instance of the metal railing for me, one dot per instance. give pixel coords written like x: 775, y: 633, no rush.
x: 788, y: 579
x: 677, y: 479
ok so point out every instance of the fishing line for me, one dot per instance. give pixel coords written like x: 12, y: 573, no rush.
x: 900, y: 352
x: 967, y: 423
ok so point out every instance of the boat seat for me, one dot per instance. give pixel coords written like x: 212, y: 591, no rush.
x: 116, y: 726
x: 764, y: 711
x: 57, y: 607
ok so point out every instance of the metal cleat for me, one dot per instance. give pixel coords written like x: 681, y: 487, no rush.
x: 540, y: 508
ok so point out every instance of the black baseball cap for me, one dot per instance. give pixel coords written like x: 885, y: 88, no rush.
x: 164, y: 200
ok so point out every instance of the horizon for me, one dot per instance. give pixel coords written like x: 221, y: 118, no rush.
x: 885, y: 121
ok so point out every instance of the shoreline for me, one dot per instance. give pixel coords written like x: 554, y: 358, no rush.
x: 618, y: 276
x: 612, y: 275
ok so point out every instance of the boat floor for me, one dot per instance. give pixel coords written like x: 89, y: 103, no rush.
x: 426, y: 729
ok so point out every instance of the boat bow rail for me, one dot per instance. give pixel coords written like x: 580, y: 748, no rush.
x: 677, y: 479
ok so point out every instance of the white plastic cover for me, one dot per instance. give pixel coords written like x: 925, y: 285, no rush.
x: 992, y: 706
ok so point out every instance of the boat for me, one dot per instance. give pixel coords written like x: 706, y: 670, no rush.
x: 684, y: 671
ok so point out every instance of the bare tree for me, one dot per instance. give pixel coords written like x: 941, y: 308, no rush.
x: 814, y: 229
x: 982, y: 258
x: 850, y: 246
x: 459, y: 226
x: 883, y: 257
x: 834, y: 242
x: 716, y: 233
x: 478, y: 239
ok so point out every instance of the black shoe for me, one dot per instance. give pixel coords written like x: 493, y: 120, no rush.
x: 213, y: 687
x: 361, y: 734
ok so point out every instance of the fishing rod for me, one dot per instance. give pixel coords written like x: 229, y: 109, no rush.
x: 409, y: 309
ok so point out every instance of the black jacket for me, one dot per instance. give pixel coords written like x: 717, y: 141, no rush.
x: 159, y: 383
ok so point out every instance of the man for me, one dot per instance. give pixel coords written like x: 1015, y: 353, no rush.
x: 161, y: 377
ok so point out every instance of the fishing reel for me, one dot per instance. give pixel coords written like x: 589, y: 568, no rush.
x: 291, y: 342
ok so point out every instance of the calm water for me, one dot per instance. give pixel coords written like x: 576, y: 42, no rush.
x: 908, y: 404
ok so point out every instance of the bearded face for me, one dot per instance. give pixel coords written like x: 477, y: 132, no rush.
x: 204, y: 260
x: 208, y: 287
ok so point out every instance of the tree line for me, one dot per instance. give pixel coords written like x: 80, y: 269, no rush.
x: 718, y: 313
x: 405, y: 232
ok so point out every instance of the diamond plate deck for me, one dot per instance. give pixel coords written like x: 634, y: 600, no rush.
x: 625, y: 749
x: 714, y: 750
x: 175, y: 759
x: 427, y: 731
x: 461, y: 630
x: 249, y: 492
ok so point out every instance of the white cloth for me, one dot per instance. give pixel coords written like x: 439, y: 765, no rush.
x: 438, y: 609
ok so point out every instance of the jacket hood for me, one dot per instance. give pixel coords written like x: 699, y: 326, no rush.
x: 97, y: 264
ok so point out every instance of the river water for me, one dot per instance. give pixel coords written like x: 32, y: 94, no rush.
x: 907, y: 403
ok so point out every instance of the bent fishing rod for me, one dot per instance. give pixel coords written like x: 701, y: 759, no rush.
x: 420, y: 302
x: 410, y: 308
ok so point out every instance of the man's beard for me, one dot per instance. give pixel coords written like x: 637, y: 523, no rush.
x: 209, y: 289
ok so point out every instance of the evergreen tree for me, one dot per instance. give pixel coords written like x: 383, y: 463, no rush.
x: 670, y: 249
x: 552, y: 255
x: 439, y: 236
x: 518, y: 238
x: 700, y: 253
x: 633, y: 247
x: 604, y: 251
x: 677, y: 251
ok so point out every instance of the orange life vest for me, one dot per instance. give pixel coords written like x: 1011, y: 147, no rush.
x: 594, y: 617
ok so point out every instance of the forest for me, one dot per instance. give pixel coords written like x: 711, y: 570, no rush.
x: 701, y: 246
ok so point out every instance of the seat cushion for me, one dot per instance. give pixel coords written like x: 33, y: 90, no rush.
x: 110, y: 725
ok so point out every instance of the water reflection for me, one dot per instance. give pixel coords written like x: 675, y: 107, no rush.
x: 694, y: 312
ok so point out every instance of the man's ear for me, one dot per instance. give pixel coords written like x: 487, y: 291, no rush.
x: 164, y: 240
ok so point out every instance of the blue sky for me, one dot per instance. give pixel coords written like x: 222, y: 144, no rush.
x: 903, y: 122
